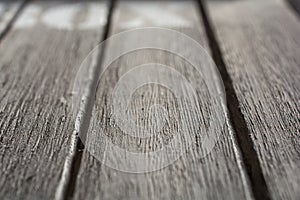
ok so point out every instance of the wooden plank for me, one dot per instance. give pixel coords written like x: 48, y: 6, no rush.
x: 261, y: 45
x: 39, y: 60
x: 8, y: 11
x: 190, y: 177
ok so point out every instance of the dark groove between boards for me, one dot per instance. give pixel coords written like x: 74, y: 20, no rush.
x: 13, y: 19
x: 295, y: 6
x: 75, y: 166
x: 242, y: 134
x: 76, y: 162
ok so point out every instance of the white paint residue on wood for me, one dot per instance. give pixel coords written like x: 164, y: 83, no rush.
x: 134, y: 23
x: 64, y: 16
x: 29, y: 17
x: 61, y: 17
x: 96, y: 16
x: 157, y: 14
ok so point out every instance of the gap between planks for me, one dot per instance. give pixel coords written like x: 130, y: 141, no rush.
x: 13, y: 19
x: 249, y: 155
x: 295, y: 5
x: 66, y: 186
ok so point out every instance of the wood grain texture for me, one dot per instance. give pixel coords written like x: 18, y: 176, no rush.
x: 220, y: 175
x: 37, y: 68
x: 261, y: 45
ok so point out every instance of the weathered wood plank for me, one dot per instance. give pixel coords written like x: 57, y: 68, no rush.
x: 220, y: 175
x: 261, y: 45
x: 39, y: 60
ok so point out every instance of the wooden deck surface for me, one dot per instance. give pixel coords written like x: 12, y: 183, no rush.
x: 44, y: 147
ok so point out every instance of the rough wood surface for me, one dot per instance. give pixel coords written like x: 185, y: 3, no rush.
x: 39, y: 60
x: 219, y: 175
x: 261, y: 46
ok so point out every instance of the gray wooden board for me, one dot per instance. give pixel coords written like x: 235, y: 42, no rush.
x: 219, y: 175
x: 261, y: 46
x: 39, y: 61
